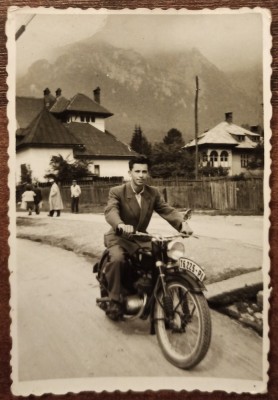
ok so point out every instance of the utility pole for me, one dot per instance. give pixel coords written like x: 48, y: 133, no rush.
x: 196, y: 127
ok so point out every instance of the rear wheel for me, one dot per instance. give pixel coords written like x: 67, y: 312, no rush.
x: 184, y: 337
x: 102, y: 282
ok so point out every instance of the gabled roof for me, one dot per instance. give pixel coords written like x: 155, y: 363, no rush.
x: 60, y: 105
x: 27, y: 108
x: 46, y: 131
x: 82, y: 103
x: 225, y: 133
x: 98, y: 143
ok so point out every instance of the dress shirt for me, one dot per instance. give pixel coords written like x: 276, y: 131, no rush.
x: 138, y: 195
x: 75, y: 190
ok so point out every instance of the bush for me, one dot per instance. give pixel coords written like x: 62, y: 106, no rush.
x: 213, y: 171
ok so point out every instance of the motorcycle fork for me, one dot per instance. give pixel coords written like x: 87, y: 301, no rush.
x: 159, y: 250
x: 167, y: 302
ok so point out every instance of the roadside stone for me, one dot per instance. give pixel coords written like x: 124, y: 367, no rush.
x: 260, y: 299
x: 255, y: 307
x: 250, y: 311
x: 247, y: 318
x: 242, y: 307
x: 232, y: 311
x: 258, y: 315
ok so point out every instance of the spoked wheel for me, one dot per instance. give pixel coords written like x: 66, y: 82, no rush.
x: 103, y: 301
x: 185, y: 337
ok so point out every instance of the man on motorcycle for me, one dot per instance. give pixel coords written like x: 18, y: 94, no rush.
x: 129, y: 209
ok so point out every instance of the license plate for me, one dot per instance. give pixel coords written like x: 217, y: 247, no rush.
x: 191, y: 266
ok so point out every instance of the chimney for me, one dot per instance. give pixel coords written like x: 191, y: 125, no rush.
x: 58, y: 92
x: 49, y: 100
x: 229, y: 117
x: 97, y: 95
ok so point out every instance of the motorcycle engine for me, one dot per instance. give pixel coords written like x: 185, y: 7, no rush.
x: 133, y: 304
x: 144, y: 285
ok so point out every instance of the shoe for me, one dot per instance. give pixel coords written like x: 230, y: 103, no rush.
x: 115, y: 311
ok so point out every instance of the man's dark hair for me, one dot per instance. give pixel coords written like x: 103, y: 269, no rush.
x: 139, y: 160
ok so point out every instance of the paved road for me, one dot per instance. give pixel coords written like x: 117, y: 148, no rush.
x: 62, y: 334
x: 247, y: 229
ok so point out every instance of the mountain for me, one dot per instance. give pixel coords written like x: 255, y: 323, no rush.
x: 156, y: 91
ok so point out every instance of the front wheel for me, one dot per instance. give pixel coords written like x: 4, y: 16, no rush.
x: 185, y: 336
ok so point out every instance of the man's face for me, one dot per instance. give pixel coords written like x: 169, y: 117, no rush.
x: 139, y: 174
x: 74, y: 183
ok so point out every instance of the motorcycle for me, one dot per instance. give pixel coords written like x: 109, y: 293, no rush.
x: 166, y: 287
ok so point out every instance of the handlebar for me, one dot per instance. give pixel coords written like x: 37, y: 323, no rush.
x: 155, y: 236
x: 187, y: 215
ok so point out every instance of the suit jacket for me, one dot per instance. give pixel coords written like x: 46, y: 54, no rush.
x: 123, y: 208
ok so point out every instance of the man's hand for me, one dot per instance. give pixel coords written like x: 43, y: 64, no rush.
x: 126, y: 229
x: 185, y: 228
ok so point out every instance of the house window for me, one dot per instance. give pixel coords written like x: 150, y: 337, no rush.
x: 82, y: 118
x: 224, y: 159
x: 96, y: 170
x: 87, y: 118
x: 205, y: 157
x: 241, y: 138
x: 244, y: 160
x: 214, y: 159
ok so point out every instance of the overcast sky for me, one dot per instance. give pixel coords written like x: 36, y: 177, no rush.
x: 227, y: 40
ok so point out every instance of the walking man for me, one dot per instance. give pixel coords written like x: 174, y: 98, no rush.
x: 75, y: 193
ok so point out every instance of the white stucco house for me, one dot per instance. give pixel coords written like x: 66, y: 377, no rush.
x: 226, y: 145
x: 73, y: 128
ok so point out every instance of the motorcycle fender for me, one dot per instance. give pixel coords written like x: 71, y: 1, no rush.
x: 192, y: 282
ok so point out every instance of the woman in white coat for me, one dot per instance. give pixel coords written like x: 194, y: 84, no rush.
x: 55, y: 199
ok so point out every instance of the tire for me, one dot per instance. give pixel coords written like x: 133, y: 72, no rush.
x: 185, y: 341
x: 101, y: 276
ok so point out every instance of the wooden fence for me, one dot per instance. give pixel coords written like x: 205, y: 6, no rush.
x: 221, y: 195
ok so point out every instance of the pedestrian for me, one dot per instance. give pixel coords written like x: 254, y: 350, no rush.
x: 28, y: 198
x: 75, y: 193
x: 55, y: 199
x: 38, y: 198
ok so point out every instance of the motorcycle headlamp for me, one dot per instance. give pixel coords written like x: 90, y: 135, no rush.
x: 175, y: 250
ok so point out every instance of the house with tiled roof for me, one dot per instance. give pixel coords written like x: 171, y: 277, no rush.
x: 73, y: 128
x: 226, y: 145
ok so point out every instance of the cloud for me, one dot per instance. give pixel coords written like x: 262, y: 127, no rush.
x: 227, y: 40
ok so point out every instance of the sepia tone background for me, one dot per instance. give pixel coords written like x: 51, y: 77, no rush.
x: 5, y: 340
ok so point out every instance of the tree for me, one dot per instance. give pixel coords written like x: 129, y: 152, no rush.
x: 174, y: 136
x: 257, y: 160
x: 169, y: 159
x: 65, y: 170
x: 26, y: 173
x: 139, y: 142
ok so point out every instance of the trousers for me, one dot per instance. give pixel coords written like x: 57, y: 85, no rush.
x: 115, y: 271
x: 74, y: 204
